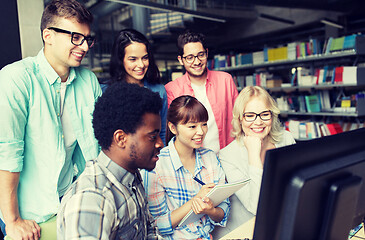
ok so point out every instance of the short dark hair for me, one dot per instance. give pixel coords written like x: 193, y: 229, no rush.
x: 189, y: 36
x: 65, y: 9
x: 122, y: 106
x: 185, y: 109
x: 123, y: 40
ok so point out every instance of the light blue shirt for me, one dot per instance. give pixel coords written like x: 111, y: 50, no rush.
x: 160, y: 89
x: 170, y: 185
x: 31, y: 135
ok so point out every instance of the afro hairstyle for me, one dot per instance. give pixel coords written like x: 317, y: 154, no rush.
x: 122, y: 106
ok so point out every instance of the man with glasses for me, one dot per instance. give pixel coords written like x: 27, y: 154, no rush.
x: 214, y: 89
x: 46, y: 134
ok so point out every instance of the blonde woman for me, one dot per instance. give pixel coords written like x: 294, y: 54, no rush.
x: 256, y: 129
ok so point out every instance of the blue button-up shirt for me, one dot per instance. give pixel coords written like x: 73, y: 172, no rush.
x: 31, y: 135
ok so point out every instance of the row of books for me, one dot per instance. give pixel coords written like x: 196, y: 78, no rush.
x: 290, y: 51
x: 346, y: 75
x: 323, y: 101
x: 263, y: 79
x: 338, y: 44
x: 304, y: 130
x: 341, y: 75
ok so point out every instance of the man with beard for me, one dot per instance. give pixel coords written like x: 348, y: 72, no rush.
x: 214, y: 89
x: 108, y: 200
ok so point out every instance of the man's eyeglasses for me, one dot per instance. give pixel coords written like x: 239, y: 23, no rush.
x: 191, y: 58
x: 251, y: 116
x: 76, y: 38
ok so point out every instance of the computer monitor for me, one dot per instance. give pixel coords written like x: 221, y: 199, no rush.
x: 313, y: 190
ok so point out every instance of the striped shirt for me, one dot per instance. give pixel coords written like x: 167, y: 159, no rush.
x: 170, y: 185
x: 105, y: 202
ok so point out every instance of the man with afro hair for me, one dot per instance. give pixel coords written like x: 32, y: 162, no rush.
x: 108, y: 200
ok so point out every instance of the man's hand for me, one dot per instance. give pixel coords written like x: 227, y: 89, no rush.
x: 22, y: 229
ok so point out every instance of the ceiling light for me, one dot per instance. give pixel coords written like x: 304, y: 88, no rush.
x: 167, y: 8
x: 331, y: 23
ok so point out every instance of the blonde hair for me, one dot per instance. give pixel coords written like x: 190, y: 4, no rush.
x: 243, y: 98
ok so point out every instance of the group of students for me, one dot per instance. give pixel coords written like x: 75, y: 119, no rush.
x: 51, y: 134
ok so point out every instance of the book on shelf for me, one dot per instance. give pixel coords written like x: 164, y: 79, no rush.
x: 325, y: 100
x: 292, y: 55
x: 338, y: 75
x: 293, y: 80
x: 216, y: 195
x: 349, y: 42
x: 313, y: 103
x: 293, y: 103
x: 272, y: 83
x: 330, y: 75
x: 337, y: 44
x: 320, y: 74
x: 305, y: 77
x: 304, y: 129
x: 324, y: 130
x: 249, y: 80
x: 334, y: 128
x: 258, y: 57
x: 266, y: 57
x: 327, y: 48
x: 349, y: 75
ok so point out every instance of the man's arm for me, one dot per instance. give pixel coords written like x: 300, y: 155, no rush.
x: 14, y: 90
x: 16, y: 227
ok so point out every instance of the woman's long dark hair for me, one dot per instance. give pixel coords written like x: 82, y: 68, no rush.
x: 185, y: 109
x: 117, y: 70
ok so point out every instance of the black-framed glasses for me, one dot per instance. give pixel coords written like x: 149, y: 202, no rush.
x: 251, y: 116
x: 76, y: 38
x: 191, y: 58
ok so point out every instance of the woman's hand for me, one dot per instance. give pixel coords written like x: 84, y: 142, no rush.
x: 202, y: 205
x: 205, y: 206
x: 204, y: 190
x: 253, y: 146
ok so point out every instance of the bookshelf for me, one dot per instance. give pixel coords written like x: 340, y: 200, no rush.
x: 299, y: 61
x: 304, y: 95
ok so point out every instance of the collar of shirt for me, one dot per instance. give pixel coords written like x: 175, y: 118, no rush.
x: 123, y: 176
x: 50, y: 73
x: 207, y: 82
x: 176, y: 162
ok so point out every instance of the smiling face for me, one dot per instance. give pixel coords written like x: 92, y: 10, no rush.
x: 258, y: 128
x: 145, y: 144
x: 59, y: 50
x: 136, y: 62
x: 189, y: 135
x: 197, y: 68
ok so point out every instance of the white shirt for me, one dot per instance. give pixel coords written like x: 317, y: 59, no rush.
x: 67, y: 173
x: 211, y: 139
x: 234, y: 160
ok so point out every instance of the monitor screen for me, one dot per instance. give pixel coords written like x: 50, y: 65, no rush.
x: 314, y: 189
